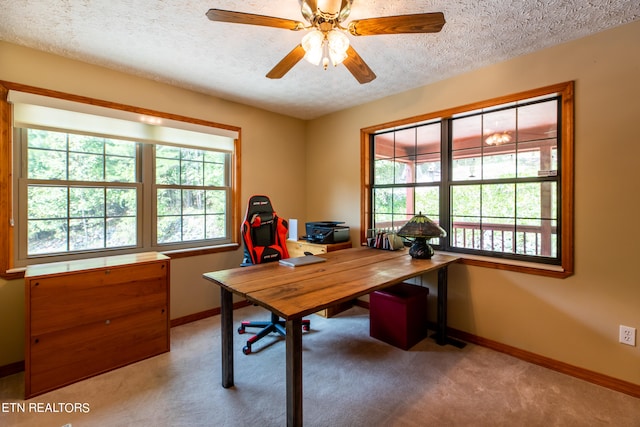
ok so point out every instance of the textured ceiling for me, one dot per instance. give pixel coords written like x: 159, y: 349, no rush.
x: 172, y: 41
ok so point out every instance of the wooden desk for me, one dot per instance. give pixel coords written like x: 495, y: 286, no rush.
x: 293, y: 293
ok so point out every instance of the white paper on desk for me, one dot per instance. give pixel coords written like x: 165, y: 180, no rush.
x: 293, y: 229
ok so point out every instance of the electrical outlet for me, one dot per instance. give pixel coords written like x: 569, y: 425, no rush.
x: 628, y: 335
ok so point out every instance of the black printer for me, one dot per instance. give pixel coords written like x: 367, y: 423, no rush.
x: 326, y: 232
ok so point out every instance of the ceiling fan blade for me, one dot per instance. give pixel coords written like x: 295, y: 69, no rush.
x: 356, y: 66
x: 251, y: 19
x: 401, y: 24
x: 287, y: 63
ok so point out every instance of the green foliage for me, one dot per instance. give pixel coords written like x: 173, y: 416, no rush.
x: 169, y: 202
x: 47, y: 139
x: 216, y: 226
x: 47, y: 164
x: 121, y: 202
x: 167, y: 171
x: 193, y: 202
x: 86, y: 202
x: 188, y: 166
x: 47, y: 236
x: 427, y: 201
x: 169, y: 229
x: 192, y: 173
x: 47, y: 202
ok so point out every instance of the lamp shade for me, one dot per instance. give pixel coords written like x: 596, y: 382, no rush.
x: 421, y: 226
x: 421, y: 229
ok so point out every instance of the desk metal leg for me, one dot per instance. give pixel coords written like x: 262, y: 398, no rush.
x: 294, y: 372
x: 441, y: 334
x: 226, y: 335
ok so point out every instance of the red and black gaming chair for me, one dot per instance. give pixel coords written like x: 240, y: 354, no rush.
x: 264, y: 234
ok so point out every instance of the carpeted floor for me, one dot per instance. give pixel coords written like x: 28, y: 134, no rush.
x: 350, y: 379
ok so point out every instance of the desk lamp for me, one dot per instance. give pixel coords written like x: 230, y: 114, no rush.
x: 420, y: 228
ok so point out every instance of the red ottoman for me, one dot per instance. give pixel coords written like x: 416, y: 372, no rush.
x: 398, y: 315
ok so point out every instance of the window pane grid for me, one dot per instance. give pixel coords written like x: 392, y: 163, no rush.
x: 503, y: 180
x: 77, y: 218
x: 73, y: 204
x: 192, y: 194
x: 504, y: 217
x: 190, y: 215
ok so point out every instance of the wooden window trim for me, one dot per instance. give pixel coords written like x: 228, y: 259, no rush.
x: 6, y: 178
x: 566, y: 90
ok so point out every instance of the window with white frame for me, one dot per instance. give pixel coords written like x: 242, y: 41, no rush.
x: 91, y: 184
x: 80, y: 192
x: 192, y: 193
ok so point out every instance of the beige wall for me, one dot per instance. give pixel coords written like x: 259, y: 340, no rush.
x: 574, y: 320
x: 273, y: 150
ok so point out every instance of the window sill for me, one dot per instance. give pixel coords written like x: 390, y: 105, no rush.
x: 184, y: 253
x: 539, y: 269
x: 13, y: 273
x: 18, y: 272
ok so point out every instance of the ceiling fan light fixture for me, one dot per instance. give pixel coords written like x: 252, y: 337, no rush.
x: 312, y: 44
x: 338, y: 44
x: 326, y: 47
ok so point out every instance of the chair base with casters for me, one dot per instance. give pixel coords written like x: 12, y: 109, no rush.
x: 273, y: 325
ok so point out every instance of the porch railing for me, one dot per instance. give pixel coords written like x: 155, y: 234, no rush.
x: 535, y: 240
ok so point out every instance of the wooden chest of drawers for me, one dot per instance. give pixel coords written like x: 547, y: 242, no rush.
x: 298, y: 248
x: 87, y: 317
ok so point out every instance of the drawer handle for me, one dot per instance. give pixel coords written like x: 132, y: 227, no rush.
x: 107, y: 322
x: 107, y: 272
x: 36, y: 284
x: 37, y: 340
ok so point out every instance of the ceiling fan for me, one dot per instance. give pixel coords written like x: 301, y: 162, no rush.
x: 326, y: 41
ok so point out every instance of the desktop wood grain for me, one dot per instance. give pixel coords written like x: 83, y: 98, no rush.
x: 350, y: 273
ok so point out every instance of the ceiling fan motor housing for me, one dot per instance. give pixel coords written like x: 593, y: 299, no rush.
x: 329, y: 10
